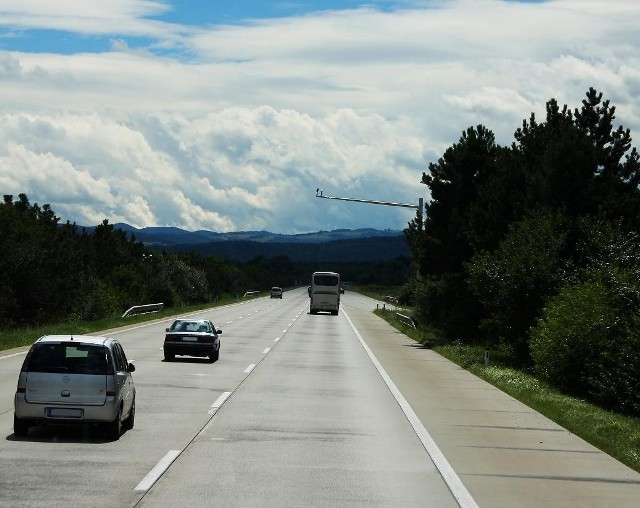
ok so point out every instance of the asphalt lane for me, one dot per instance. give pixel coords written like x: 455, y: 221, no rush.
x: 312, y: 425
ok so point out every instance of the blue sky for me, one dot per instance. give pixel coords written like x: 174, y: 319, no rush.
x: 227, y: 116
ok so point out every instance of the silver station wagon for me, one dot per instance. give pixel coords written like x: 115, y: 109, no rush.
x: 75, y: 379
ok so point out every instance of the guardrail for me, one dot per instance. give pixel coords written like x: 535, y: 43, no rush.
x: 406, y: 320
x: 143, y: 309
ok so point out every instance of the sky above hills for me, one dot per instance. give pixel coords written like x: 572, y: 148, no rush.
x: 227, y: 116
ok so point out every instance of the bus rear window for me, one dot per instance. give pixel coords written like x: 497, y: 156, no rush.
x: 325, y: 280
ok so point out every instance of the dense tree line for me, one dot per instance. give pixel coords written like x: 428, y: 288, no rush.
x: 533, y: 248
x: 52, y: 272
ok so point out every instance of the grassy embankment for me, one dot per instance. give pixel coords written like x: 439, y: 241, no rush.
x: 616, y: 434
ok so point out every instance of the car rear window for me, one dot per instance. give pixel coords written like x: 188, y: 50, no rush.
x: 69, y: 358
x: 190, y: 326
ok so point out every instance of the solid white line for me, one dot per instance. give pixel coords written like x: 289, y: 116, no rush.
x: 450, y: 477
x: 276, y: 339
x: 249, y: 368
x: 158, y: 470
x: 266, y: 350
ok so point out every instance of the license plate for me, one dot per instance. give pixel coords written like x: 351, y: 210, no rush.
x: 58, y: 412
x: 189, y: 339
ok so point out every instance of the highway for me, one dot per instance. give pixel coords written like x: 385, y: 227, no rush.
x: 305, y: 410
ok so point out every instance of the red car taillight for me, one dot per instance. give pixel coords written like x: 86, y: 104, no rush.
x: 168, y: 338
x: 208, y: 340
x: 21, y: 390
x: 111, y: 393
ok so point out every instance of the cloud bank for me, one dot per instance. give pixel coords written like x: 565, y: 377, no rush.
x: 233, y: 127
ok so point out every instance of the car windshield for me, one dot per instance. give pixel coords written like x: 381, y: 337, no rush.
x: 68, y: 358
x: 190, y: 326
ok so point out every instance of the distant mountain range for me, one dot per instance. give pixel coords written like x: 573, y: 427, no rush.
x: 166, y: 236
x: 339, y: 245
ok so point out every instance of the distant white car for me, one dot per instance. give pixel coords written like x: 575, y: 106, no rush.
x: 276, y: 292
x: 75, y: 379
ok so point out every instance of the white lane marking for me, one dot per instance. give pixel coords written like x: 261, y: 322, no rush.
x: 450, y: 477
x: 158, y: 470
x: 219, y: 401
x: 266, y: 350
x: 285, y: 330
x: 12, y: 355
x: 276, y: 339
x: 249, y: 368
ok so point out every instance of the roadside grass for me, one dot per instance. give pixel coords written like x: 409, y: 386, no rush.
x: 10, y: 339
x: 616, y: 434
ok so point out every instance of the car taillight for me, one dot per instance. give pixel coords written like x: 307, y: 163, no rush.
x: 208, y: 340
x: 111, y: 393
x: 168, y: 338
x: 21, y: 390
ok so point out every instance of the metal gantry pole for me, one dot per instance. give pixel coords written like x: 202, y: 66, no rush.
x: 419, y: 206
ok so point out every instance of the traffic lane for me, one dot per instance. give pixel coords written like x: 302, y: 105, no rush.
x: 175, y: 398
x: 506, y: 453
x: 313, y: 425
x: 174, y: 401
x: 74, y: 465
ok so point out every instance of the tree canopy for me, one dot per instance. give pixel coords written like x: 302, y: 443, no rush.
x: 509, y: 229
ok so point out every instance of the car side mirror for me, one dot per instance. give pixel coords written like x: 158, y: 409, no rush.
x: 167, y: 329
x: 219, y: 332
x: 131, y: 367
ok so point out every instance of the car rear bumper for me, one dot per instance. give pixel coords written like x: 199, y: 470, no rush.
x: 78, y: 413
x: 189, y: 349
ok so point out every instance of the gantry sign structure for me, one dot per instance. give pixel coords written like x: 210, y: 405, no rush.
x: 419, y: 206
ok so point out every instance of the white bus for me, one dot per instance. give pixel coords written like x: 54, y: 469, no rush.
x: 324, y: 292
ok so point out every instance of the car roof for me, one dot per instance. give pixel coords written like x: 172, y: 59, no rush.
x: 81, y: 339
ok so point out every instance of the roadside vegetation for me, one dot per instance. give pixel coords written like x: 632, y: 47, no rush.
x: 532, y: 250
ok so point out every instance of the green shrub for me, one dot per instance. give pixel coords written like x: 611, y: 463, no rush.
x: 587, y: 343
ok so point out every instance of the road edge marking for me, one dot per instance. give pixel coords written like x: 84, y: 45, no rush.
x: 457, y: 488
x: 159, y: 469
